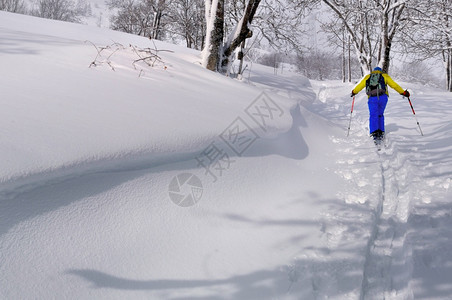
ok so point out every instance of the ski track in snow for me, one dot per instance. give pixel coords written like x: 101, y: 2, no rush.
x: 403, y: 186
x: 390, y: 263
x: 387, y: 239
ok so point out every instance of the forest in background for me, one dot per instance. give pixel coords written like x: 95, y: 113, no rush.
x: 324, y: 40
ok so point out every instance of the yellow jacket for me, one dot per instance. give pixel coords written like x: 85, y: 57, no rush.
x: 388, y: 81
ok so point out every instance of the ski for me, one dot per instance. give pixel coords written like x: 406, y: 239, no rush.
x: 381, y: 142
x: 379, y: 138
x: 378, y: 144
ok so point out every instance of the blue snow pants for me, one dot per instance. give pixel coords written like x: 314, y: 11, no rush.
x: 377, y: 105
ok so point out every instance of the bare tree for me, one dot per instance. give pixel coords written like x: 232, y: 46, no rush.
x: 339, y: 38
x: 63, y: 10
x: 15, y: 6
x: 141, y: 17
x: 159, y: 8
x: 187, y: 22
x: 321, y: 65
x: 131, y: 17
x: 430, y: 33
x: 417, y: 71
x: 282, y: 24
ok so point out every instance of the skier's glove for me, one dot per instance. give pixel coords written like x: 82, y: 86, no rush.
x: 406, y: 93
x: 352, y: 94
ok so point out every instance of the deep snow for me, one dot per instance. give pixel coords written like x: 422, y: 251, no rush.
x: 289, y: 209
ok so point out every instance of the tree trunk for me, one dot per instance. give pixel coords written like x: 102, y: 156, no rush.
x: 349, y: 60
x: 157, y: 19
x: 241, y: 33
x: 449, y: 71
x: 390, y: 23
x: 241, y: 57
x: 214, y: 34
x: 386, y: 57
x: 343, y: 54
x: 358, y: 36
x: 156, y: 25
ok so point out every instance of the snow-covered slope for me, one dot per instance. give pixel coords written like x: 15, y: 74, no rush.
x: 78, y: 115
x: 95, y: 160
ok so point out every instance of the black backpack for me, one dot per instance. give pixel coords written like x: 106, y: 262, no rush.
x: 375, y: 85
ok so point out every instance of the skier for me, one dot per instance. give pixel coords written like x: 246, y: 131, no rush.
x: 375, y: 84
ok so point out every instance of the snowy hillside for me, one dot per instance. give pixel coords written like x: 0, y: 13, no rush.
x: 174, y: 182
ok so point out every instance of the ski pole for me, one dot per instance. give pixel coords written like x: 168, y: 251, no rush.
x: 412, y: 109
x: 351, y: 114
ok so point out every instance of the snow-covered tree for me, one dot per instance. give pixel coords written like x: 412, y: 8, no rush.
x: 214, y: 10
x: 372, y: 26
x: 217, y: 53
x: 430, y: 33
x: 230, y: 23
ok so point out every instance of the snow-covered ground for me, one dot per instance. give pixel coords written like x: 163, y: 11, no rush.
x: 174, y: 182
